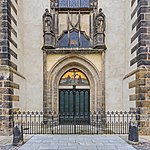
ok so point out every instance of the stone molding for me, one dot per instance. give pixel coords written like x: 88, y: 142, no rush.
x: 74, y: 51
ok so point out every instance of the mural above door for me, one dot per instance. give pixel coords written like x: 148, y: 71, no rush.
x: 74, y: 77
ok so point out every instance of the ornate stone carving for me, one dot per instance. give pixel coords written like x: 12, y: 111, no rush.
x: 47, y: 21
x: 100, y: 22
x: 48, y: 29
x: 99, y: 29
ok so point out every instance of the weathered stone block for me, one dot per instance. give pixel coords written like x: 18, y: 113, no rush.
x: 145, y: 110
x: 140, y: 74
x: 141, y: 82
x: 148, y: 30
x: 144, y: 73
x: 147, y: 82
x: 144, y: 131
x: 133, y: 84
x: 7, y: 105
x: 15, y: 98
x: 138, y: 96
x: 144, y: 103
x: 133, y: 97
x: 141, y: 89
x: 147, y: 95
x: 141, y: 96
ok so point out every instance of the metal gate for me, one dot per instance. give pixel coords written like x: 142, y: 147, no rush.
x: 99, y: 123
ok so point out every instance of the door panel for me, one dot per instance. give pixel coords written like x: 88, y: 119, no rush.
x: 74, y: 105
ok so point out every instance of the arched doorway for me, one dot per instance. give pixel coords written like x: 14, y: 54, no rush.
x: 74, y: 97
x: 54, y: 75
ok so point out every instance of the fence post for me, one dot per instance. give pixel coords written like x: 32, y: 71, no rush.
x: 74, y: 104
x: 97, y: 122
x: 133, y: 136
x: 17, y: 133
x: 52, y: 123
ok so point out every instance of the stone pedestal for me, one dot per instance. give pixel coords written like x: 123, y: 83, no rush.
x: 99, y: 41
x: 49, y: 40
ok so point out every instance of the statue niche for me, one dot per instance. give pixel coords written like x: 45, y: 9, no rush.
x: 99, y: 29
x: 48, y: 30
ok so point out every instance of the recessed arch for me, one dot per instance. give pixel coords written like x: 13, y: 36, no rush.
x: 67, y: 63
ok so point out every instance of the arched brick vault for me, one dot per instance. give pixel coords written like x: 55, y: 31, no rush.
x: 87, y: 67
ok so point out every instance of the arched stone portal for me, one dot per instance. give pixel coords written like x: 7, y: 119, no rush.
x: 51, y: 101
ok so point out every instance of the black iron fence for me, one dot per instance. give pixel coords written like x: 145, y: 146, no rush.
x: 66, y: 123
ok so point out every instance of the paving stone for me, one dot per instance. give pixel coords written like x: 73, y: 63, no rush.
x: 87, y: 147
x: 72, y: 144
x: 68, y: 148
x: 125, y: 148
x: 45, y: 148
x: 106, y: 148
x: 113, y: 144
x: 48, y: 147
x: 46, y: 141
x: 35, y: 141
x: 33, y: 147
x: 45, y: 144
x: 99, y: 144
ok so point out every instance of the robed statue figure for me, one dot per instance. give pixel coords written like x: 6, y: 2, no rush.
x: 100, y: 22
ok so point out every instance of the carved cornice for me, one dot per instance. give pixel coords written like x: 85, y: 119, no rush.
x: 73, y: 51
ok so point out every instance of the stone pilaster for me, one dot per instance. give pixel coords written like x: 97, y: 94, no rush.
x: 142, y: 49
x: 6, y: 77
x: 6, y: 98
x: 45, y: 102
x: 103, y: 81
x: 143, y: 90
x: 143, y: 99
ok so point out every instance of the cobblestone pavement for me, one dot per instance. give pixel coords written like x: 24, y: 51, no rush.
x: 142, y: 146
x: 9, y: 147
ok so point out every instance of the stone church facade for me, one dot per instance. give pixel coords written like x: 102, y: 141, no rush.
x: 99, y: 49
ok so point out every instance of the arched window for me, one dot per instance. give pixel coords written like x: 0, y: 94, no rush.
x: 74, y: 77
x: 74, y: 39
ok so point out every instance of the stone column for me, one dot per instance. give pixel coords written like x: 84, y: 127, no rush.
x: 44, y: 82
x: 103, y: 81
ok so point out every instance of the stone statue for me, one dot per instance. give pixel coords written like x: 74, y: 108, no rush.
x: 47, y: 21
x: 48, y: 30
x: 100, y: 22
x: 99, y: 29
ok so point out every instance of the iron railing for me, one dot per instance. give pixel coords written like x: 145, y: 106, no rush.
x: 93, y: 123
